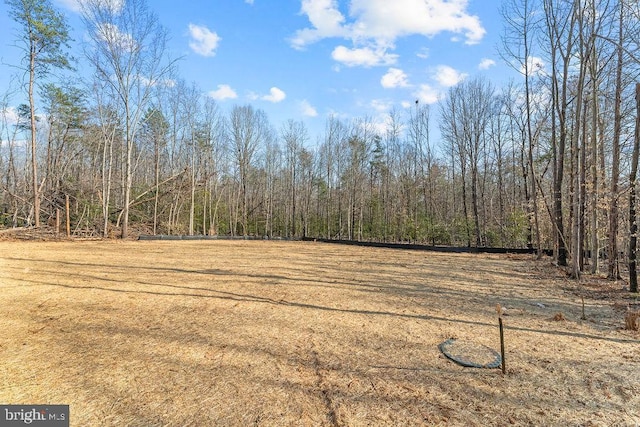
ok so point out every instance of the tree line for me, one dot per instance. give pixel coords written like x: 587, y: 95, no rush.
x: 548, y: 160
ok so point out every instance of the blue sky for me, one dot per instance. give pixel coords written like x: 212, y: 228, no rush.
x: 308, y: 59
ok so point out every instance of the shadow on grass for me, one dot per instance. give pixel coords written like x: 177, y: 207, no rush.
x: 342, y: 375
x: 224, y: 295
x: 415, y: 284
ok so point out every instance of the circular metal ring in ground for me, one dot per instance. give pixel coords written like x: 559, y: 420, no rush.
x: 470, y: 354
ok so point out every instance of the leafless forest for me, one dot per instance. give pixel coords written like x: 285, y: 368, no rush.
x: 547, y: 161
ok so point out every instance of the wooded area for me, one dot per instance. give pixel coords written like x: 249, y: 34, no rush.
x: 547, y: 161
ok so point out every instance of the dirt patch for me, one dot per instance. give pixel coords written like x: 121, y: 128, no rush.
x: 291, y: 333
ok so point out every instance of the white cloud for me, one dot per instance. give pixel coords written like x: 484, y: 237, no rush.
x: 275, y: 95
x: 111, y: 34
x: 391, y: 19
x: 114, y: 6
x: 326, y: 20
x: 10, y: 115
x: 380, y: 22
x: 223, y: 92
x: 308, y: 109
x: 423, y: 53
x: 428, y: 94
x: 486, y: 63
x: 395, y: 77
x: 162, y: 82
x: 73, y: 5
x: 17, y: 144
x: 76, y: 5
x: 248, y: 1
x: 203, y: 41
x: 381, y: 106
x: 382, y: 123
x: 448, y: 76
x: 535, y: 65
x: 365, y: 57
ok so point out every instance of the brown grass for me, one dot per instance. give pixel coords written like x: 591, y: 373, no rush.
x: 307, y: 334
x: 632, y: 320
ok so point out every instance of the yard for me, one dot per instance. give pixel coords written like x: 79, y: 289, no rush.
x: 241, y: 333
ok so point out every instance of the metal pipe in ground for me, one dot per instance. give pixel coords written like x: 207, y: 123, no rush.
x: 504, y: 366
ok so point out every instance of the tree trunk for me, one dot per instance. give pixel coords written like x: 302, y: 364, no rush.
x: 594, y: 166
x: 612, y: 251
x: 464, y: 206
x: 34, y: 158
x: 107, y: 162
x: 474, y: 203
x: 156, y: 170
x: 530, y: 140
x: 128, y: 175
x: 633, y: 223
x: 583, y: 189
x: 192, y: 197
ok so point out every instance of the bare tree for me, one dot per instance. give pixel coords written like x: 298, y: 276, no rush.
x: 213, y: 128
x: 42, y: 36
x: 578, y: 140
x: 521, y: 23
x: 559, y: 18
x: 633, y: 220
x: 108, y: 131
x: 11, y: 178
x: 332, y: 155
x: 612, y: 249
x: 190, y: 106
x: 389, y: 169
x: 466, y: 115
x: 127, y: 50
x: 418, y: 134
x: 155, y: 129
x: 248, y: 128
x: 294, y: 134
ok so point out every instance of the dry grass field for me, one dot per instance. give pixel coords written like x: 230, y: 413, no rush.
x: 243, y: 333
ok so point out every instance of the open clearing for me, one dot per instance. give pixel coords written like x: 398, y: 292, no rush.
x: 241, y: 333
